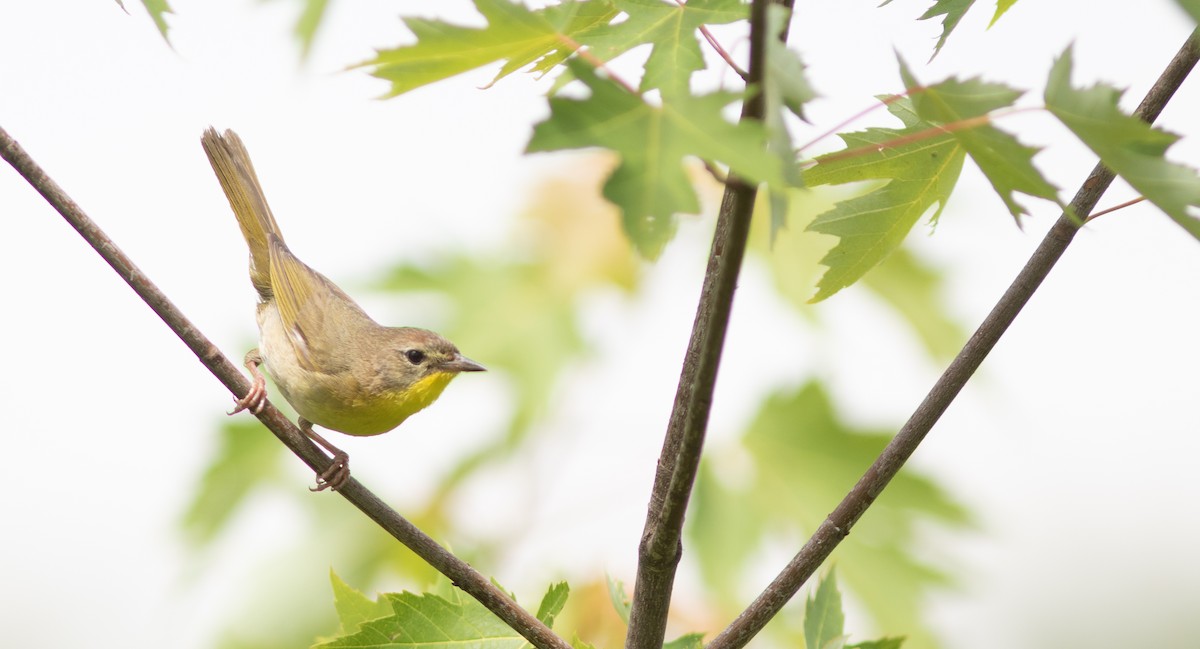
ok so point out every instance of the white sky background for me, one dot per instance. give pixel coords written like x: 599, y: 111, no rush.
x: 1076, y: 444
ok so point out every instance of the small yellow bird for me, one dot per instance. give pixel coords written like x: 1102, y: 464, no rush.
x: 337, y: 367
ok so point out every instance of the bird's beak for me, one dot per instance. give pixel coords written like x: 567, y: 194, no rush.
x: 461, y: 363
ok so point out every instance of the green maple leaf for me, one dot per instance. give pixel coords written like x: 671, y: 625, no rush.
x: 953, y: 10
x: 353, y: 608
x: 650, y: 184
x: 1127, y: 145
x: 786, y: 87
x: 575, y: 21
x: 918, y: 173
x: 431, y: 621
x: 882, y: 643
x: 785, y: 79
x: 445, y: 620
x: 514, y: 34
x: 671, y: 28
x: 824, y: 622
x: 158, y: 10
x: 1001, y: 7
x: 1007, y: 164
x: 552, y: 603
x: 686, y: 641
x: 619, y: 598
x: 310, y: 19
x: 914, y: 289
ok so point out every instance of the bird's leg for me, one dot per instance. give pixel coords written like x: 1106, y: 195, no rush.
x: 256, y: 398
x: 339, y: 471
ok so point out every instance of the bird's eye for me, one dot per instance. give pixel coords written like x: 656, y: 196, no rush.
x: 415, y: 356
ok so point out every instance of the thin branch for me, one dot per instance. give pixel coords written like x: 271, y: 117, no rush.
x: 838, y: 524
x: 660, y: 548
x: 925, y: 134
x: 891, y: 99
x: 463, y: 575
x: 886, y: 101
x: 932, y: 131
x: 1114, y: 208
x: 597, y: 63
x: 721, y: 51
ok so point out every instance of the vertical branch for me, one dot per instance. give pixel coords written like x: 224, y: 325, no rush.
x: 660, y: 547
x: 888, y: 464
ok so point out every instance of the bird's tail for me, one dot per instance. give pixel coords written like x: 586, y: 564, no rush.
x: 231, y: 162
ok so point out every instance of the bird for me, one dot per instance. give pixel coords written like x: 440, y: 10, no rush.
x: 336, y: 366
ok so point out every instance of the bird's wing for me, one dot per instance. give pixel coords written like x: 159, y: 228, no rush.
x: 320, y: 319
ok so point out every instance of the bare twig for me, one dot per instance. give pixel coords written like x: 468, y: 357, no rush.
x: 891, y: 99
x: 721, y: 51
x: 659, y: 552
x: 934, y: 131
x: 838, y: 524
x: 597, y: 63
x: 463, y: 575
x: 1114, y: 208
x: 925, y: 134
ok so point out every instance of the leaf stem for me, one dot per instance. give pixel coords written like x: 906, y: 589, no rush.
x: 1114, y: 208
x: 712, y: 41
x: 853, y: 118
x: 660, y: 548
x: 723, y: 53
x: 230, y: 375
x: 933, y: 131
x: 597, y: 63
x: 837, y: 525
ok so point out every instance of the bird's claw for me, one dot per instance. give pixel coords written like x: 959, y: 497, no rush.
x: 254, y: 401
x: 334, y: 477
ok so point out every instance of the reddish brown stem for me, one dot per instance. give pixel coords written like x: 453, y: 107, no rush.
x: 1114, y: 208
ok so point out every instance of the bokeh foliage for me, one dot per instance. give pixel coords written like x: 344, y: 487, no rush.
x: 571, y: 243
x: 566, y: 246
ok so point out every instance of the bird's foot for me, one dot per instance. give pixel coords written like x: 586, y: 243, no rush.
x: 336, y: 475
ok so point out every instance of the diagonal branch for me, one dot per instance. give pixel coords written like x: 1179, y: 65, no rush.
x: 838, y: 524
x: 660, y: 548
x: 459, y: 572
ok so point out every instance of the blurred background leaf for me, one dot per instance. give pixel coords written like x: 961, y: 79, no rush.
x: 803, y: 460
x: 567, y: 245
